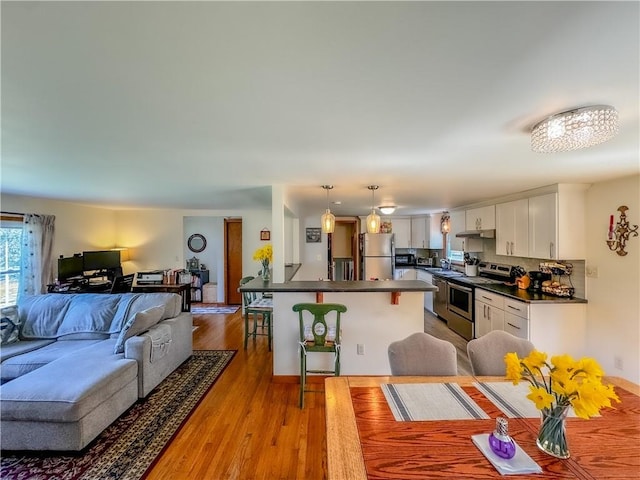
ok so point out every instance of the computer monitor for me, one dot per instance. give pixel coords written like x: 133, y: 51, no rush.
x: 101, y: 260
x: 70, y: 267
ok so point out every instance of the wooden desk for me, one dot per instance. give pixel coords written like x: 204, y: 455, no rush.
x: 182, y: 289
x: 365, y: 442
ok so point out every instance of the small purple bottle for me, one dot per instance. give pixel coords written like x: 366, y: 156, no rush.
x: 500, y: 442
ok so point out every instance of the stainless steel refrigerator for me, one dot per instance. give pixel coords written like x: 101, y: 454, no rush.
x: 377, y: 253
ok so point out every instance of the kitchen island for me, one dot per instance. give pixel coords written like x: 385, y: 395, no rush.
x: 378, y: 313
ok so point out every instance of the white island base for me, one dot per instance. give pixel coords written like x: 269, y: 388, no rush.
x: 371, y: 320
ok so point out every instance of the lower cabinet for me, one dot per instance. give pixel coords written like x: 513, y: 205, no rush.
x: 428, y: 296
x: 489, y: 312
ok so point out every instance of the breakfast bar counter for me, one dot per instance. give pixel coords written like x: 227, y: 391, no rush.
x: 378, y: 313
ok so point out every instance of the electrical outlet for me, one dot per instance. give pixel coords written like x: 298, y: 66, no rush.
x: 319, y: 257
x: 360, y: 349
x: 592, y: 272
x: 617, y: 362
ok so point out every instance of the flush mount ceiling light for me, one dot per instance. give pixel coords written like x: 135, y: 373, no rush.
x: 387, y: 209
x: 328, y: 220
x: 574, y: 129
x: 373, y: 219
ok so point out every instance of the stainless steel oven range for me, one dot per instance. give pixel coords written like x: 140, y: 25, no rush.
x: 456, y: 294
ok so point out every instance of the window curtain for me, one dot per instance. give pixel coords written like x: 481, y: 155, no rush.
x: 37, y: 251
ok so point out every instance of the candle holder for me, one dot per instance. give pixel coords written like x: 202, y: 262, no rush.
x: 619, y: 235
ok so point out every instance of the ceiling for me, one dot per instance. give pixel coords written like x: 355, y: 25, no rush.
x: 206, y: 105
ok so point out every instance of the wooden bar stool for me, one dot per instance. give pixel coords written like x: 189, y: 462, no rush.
x: 260, y: 309
x: 318, y: 334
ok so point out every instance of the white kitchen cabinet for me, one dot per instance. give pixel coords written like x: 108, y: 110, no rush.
x: 428, y: 296
x: 512, y: 228
x: 401, y: 227
x: 466, y: 244
x: 435, y: 232
x: 489, y: 313
x: 419, y: 232
x: 516, y: 318
x: 410, y: 274
x: 557, y: 228
x: 482, y: 218
x: 398, y: 273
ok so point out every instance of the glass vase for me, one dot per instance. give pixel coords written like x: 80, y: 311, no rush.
x: 552, y: 437
x: 265, y: 273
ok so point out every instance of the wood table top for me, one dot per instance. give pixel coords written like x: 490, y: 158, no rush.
x: 364, y: 441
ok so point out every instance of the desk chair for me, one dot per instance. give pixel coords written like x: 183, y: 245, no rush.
x: 486, y: 353
x: 422, y: 354
x: 261, y: 311
x: 122, y: 284
x: 318, y: 335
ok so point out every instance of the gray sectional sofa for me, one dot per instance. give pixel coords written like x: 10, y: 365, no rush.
x: 81, y: 360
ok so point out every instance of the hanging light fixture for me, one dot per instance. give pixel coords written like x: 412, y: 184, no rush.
x: 574, y: 129
x: 387, y: 209
x: 373, y: 219
x: 328, y: 220
x: 445, y: 223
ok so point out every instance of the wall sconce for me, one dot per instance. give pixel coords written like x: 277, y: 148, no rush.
x: 373, y: 219
x: 617, y: 237
x: 445, y: 223
x: 124, y: 253
x: 328, y: 219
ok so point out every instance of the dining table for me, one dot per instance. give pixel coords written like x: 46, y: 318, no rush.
x: 369, y: 437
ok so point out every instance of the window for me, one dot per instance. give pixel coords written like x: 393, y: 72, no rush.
x: 10, y: 251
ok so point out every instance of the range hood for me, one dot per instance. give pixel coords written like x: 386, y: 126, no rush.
x: 477, y: 233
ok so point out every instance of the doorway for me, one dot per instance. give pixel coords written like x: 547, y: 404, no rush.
x: 232, y: 260
x: 343, y: 253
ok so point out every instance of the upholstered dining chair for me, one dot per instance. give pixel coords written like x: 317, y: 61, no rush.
x: 486, y: 353
x: 319, y: 332
x: 122, y: 284
x: 422, y: 354
x: 259, y: 310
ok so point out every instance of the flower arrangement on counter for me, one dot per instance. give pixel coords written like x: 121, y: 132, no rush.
x: 556, y: 386
x: 265, y: 256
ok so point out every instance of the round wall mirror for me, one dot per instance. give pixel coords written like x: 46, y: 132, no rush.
x: 197, y: 243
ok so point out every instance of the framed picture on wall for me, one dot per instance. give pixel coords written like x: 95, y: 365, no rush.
x: 265, y: 234
x: 313, y: 235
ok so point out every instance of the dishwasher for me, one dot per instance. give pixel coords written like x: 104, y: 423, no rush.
x: 440, y: 298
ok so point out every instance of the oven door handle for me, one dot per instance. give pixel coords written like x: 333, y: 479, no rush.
x: 458, y: 287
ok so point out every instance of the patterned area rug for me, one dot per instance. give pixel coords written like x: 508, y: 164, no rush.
x: 127, y: 448
x: 197, y: 310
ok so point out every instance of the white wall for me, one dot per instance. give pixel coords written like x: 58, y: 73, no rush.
x: 613, y: 311
x: 77, y: 227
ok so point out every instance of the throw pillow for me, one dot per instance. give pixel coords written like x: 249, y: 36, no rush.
x: 139, y: 323
x: 9, y: 325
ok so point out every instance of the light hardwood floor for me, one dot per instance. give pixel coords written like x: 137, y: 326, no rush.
x: 248, y: 427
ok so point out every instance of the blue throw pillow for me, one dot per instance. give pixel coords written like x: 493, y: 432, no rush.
x: 9, y: 325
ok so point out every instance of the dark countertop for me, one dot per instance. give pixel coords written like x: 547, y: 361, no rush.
x: 258, y: 285
x: 527, y: 295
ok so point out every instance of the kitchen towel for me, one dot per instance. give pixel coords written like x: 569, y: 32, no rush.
x: 511, y: 399
x: 521, y: 463
x: 430, y: 401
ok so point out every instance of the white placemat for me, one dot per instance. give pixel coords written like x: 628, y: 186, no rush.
x: 511, y: 399
x: 521, y: 463
x: 430, y: 401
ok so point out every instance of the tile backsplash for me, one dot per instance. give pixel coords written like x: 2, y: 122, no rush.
x: 577, y: 278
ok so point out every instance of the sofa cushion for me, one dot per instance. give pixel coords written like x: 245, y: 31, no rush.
x: 47, y: 394
x: 9, y: 325
x: 140, y: 322
x: 23, y: 346
x: 26, y: 362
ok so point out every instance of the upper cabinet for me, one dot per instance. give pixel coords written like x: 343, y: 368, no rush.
x: 556, y: 224
x: 419, y: 232
x: 465, y: 244
x: 483, y: 218
x: 435, y: 234
x: 401, y: 227
x: 512, y: 228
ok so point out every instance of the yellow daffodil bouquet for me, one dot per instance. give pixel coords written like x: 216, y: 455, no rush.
x: 265, y: 256
x: 557, y: 385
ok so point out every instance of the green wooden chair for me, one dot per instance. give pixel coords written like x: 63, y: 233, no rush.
x: 260, y: 310
x: 318, y: 335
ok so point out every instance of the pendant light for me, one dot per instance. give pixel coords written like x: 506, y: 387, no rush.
x: 328, y: 220
x: 373, y: 219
